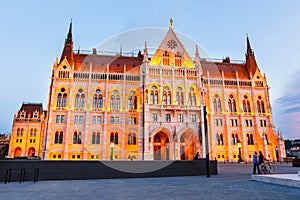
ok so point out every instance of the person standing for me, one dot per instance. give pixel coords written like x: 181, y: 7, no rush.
x: 255, y: 163
x: 261, y: 159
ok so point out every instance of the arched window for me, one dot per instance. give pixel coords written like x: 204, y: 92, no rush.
x: 114, y: 137
x: 62, y: 98
x: 22, y: 132
x: 235, y: 139
x: 79, y: 99
x: 246, y: 104
x: 192, y: 97
x: 260, y: 105
x: 266, y: 138
x: 166, y: 58
x: 31, y: 132
x: 132, y: 101
x: 34, y: 132
x: 98, y: 99
x: 221, y: 139
x: 231, y: 104
x: 217, y: 104
x: 77, y: 137
x: 250, y: 140
x: 58, y: 137
x: 96, y: 138
x: 179, y: 96
x: 217, y: 139
x: 178, y: 59
x: 132, y: 139
x: 154, y: 95
x: 115, y: 100
x: 167, y: 96
x: 18, y: 132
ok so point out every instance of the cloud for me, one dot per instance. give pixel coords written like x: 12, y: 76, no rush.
x: 286, y: 109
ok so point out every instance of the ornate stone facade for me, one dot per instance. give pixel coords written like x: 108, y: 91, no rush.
x: 151, y: 108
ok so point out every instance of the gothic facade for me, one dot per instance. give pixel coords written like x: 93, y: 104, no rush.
x: 105, y: 107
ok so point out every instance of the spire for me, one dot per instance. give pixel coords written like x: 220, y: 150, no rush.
x: 249, y: 50
x: 69, y: 39
x: 171, y: 23
x: 145, y: 53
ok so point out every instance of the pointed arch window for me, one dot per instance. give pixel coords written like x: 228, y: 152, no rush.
x: 77, y: 137
x: 235, y: 139
x: 114, y: 138
x: 115, y: 100
x: 167, y: 96
x: 192, y: 97
x: 58, y: 138
x: 231, y: 104
x: 79, y: 99
x: 250, y: 140
x: 132, y: 101
x: 98, y: 99
x: 96, y: 138
x: 132, y: 139
x: 62, y: 98
x: 154, y: 95
x: 217, y: 104
x: 179, y: 96
x: 246, y: 104
x: 178, y: 59
x: 166, y: 58
x: 260, y: 105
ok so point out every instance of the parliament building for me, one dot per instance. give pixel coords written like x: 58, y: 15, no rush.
x: 116, y: 107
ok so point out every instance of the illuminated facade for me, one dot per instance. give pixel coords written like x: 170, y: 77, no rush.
x: 27, y: 131
x: 151, y: 108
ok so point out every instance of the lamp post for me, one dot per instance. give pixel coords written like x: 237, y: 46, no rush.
x: 112, y: 145
x: 240, y: 153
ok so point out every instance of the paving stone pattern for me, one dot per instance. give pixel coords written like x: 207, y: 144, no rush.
x: 233, y: 182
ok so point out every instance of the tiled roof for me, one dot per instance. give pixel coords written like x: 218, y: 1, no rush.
x: 30, y: 108
x: 99, y: 63
x: 229, y: 69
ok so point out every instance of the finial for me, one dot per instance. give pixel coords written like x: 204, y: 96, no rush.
x: 171, y: 23
x: 249, y: 49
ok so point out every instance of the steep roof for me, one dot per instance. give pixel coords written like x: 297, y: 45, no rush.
x: 30, y: 108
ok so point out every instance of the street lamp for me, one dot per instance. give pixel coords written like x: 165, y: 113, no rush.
x: 240, y: 153
x: 112, y: 145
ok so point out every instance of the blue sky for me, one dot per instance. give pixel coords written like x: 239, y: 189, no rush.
x: 33, y: 32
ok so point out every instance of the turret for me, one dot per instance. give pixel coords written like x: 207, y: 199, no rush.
x: 250, y: 59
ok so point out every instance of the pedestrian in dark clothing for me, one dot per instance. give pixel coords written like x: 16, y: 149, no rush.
x: 261, y: 160
x: 255, y: 163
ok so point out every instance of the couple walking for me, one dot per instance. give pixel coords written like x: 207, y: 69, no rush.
x: 257, y: 161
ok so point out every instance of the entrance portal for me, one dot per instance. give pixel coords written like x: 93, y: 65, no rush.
x: 161, y: 146
x: 31, y: 152
x: 18, y: 152
x: 187, y: 146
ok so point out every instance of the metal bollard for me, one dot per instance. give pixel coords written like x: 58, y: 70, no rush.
x: 36, y: 175
x: 7, y: 176
x: 22, y: 175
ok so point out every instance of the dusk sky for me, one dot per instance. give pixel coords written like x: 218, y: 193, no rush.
x: 33, y: 33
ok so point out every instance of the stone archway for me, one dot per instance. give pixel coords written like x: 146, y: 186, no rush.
x: 187, y: 146
x: 31, y: 152
x: 161, y: 149
x: 18, y: 152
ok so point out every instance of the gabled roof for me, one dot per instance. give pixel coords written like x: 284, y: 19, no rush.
x: 172, y: 44
x: 30, y: 108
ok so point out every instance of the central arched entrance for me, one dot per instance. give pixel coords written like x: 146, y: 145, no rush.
x: 31, y: 152
x: 161, y: 146
x: 187, y: 146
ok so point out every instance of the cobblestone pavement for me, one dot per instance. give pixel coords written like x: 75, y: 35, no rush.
x: 232, y: 182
